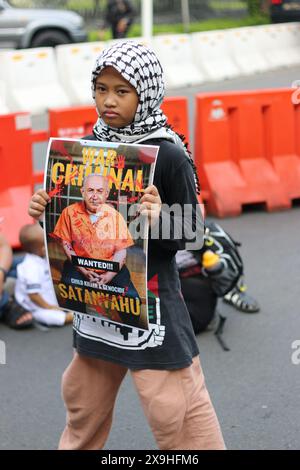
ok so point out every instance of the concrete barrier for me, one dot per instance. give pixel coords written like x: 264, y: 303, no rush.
x: 31, y: 80
x: 211, y: 52
x: 75, y: 63
x: 280, y: 44
x: 3, y: 108
x: 245, y: 45
x: 176, y: 56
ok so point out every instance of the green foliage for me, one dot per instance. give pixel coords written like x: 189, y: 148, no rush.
x: 207, y: 25
x: 254, y: 7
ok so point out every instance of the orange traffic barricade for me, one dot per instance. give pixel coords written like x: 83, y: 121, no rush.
x: 73, y: 122
x: 17, y: 175
x: 176, y: 110
x: 78, y: 121
x: 246, y: 150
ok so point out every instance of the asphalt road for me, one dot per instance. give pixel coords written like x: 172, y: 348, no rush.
x: 254, y: 386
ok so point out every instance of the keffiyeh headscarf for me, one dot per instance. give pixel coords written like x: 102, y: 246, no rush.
x: 141, y: 68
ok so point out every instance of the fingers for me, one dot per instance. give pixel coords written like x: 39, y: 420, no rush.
x: 41, y: 195
x: 150, y: 204
x: 93, y: 277
x: 151, y: 195
x: 152, y: 215
x: 150, y: 198
x: 38, y: 203
x: 151, y: 190
x: 145, y: 206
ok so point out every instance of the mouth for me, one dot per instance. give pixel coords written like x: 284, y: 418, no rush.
x: 110, y: 114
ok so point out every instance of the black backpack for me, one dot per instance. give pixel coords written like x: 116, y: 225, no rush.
x: 189, y: 263
x: 201, y: 289
x: 219, y: 241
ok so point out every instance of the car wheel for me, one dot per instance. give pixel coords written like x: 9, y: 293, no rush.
x: 50, y: 38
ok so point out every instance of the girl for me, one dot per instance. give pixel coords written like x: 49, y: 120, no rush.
x: 128, y: 88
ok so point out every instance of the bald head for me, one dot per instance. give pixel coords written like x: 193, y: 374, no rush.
x: 95, y: 191
x: 32, y: 239
x: 96, y: 178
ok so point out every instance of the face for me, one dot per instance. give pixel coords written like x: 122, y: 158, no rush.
x: 116, y: 99
x: 95, y: 192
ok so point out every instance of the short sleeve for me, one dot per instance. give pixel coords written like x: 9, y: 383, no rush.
x: 32, y: 275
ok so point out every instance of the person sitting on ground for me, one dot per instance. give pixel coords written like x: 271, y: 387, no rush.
x: 34, y: 289
x: 10, y: 313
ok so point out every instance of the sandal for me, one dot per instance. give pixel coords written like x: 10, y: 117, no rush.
x: 241, y: 301
x: 13, y: 312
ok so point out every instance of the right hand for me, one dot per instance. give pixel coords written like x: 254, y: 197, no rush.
x: 121, y: 26
x: 38, y: 204
x: 89, y: 274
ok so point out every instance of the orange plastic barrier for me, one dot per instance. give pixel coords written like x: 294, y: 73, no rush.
x: 176, y: 110
x: 78, y: 121
x: 17, y: 177
x: 72, y: 122
x: 247, y: 149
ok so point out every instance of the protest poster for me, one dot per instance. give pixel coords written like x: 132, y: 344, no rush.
x: 95, y: 236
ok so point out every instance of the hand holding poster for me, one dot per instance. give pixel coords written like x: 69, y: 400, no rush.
x: 96, y: 240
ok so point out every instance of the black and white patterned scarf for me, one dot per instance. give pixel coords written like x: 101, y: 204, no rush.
x: 140, y: 66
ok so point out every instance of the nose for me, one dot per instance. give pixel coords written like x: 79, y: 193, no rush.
x: 110, y: 100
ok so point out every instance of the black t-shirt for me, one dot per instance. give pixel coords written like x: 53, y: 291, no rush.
x: 170, y: 343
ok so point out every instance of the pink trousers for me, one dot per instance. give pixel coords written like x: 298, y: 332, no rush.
x: 175, y: 402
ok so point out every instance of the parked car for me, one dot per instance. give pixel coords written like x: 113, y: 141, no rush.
x: 285, y: 10
x: 22, y: 28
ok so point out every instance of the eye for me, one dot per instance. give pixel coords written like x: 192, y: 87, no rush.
x: 123, y: 92
x: 100, y: 88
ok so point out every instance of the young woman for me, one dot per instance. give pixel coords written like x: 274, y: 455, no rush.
x: 128, y: 88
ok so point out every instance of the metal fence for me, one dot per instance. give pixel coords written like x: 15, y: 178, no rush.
x: 165, y: 11
x: 201, y: 9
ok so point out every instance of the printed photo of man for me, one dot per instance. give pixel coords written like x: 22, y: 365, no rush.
x: 94, y: 229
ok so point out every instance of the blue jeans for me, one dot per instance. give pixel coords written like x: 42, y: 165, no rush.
x: 4, y: 298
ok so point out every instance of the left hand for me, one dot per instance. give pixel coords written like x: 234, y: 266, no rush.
x: 105, y: 278
x: 150, y: 204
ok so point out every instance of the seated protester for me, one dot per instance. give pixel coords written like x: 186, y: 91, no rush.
x: 214, y: 271
x: 12, y: 314
x: 34, y: 289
